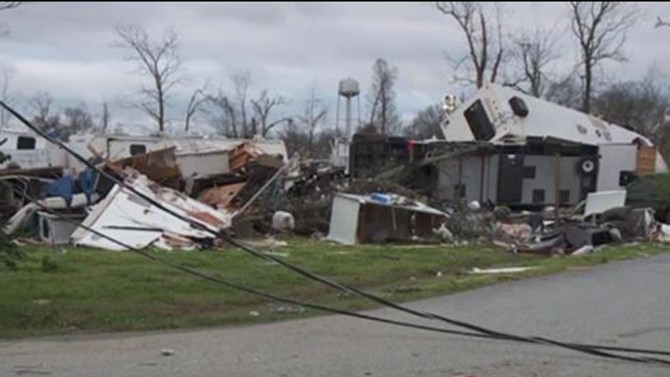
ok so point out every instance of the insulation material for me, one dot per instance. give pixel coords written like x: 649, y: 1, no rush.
x: 125, y: 216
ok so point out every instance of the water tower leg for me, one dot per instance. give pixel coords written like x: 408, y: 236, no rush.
x: 348, y: 118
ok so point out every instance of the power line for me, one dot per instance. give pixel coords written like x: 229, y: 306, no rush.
x: 590, y: 349
x: 594, y: 350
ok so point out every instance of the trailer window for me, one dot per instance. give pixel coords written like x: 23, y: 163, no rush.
x: 479, y: 122
x: 25, y: 142
x: 136, y: 149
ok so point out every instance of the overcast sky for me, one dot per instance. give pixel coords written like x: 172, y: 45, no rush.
x: 67, y: 49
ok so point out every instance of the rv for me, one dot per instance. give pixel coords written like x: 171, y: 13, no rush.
x: 538, y: 153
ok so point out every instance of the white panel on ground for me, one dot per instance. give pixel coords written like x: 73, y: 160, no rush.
x: 344, y: 220
x: 598, y: 202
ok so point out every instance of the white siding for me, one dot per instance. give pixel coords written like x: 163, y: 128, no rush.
x: 615, y: 159
x: 344, y: 220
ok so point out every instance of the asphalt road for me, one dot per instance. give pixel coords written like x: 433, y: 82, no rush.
x: 624, y: 304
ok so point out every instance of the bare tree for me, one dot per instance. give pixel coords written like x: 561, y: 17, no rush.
x: 45, y: 118
x: 197, y: 101
x: 224, y: 117
x: 4, y: 5
x: 105, y: 119
x: 262, y: 107
x: 72, y: 121
x: 484, y: 38
x: 241, y: 115
x: 157, y: 59
x: 42, y: 103
x: 534, y: 51
x: 313, y: 116
x: 5, y: 96
x: 241, y: 83
x: 296, y: 140
x: 381, y: 98
x: 427, y: 123
x: 600, y: 28
x: 638, y: 105
x: 76, y: 120
x: 660, y: 22
x: 565, y: 92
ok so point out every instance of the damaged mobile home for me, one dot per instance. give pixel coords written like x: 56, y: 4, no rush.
x: 179, y: 173
x: 502, y: 148
x: 533, y: 152
x: 507, y: 148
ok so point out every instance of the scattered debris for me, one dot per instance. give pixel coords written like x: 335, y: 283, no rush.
x: 444, y: 233
x: 381, y: 218
x: 586, y: 249
x: 599, y: 202
x: 167, y: 352
x: 507, y: 270
x: 124, y: 216
x: 54, y: 230
x: 475, y: 188
x: 288, y: 309
x: 283, y: 221
x: 21, y: 370
x: 221, y: 197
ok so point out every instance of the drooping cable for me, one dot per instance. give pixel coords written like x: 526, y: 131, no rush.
x: 593, y: 350
x: 427, y: 315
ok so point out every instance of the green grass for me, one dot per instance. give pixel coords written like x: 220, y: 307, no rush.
x: 101, y: 291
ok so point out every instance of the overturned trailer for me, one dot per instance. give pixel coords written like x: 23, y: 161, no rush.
x: 533, y: 153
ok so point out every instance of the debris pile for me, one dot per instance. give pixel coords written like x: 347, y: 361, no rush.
x: 251, y: 188
x: 204, y: 183
x: 602, y: 223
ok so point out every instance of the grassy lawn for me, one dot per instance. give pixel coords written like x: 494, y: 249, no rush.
x: 100, y: 291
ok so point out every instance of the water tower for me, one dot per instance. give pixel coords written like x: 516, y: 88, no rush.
x: 348, y: 89
x: 339, y: 155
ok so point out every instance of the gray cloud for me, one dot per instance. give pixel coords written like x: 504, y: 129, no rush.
x: 67, y: 48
